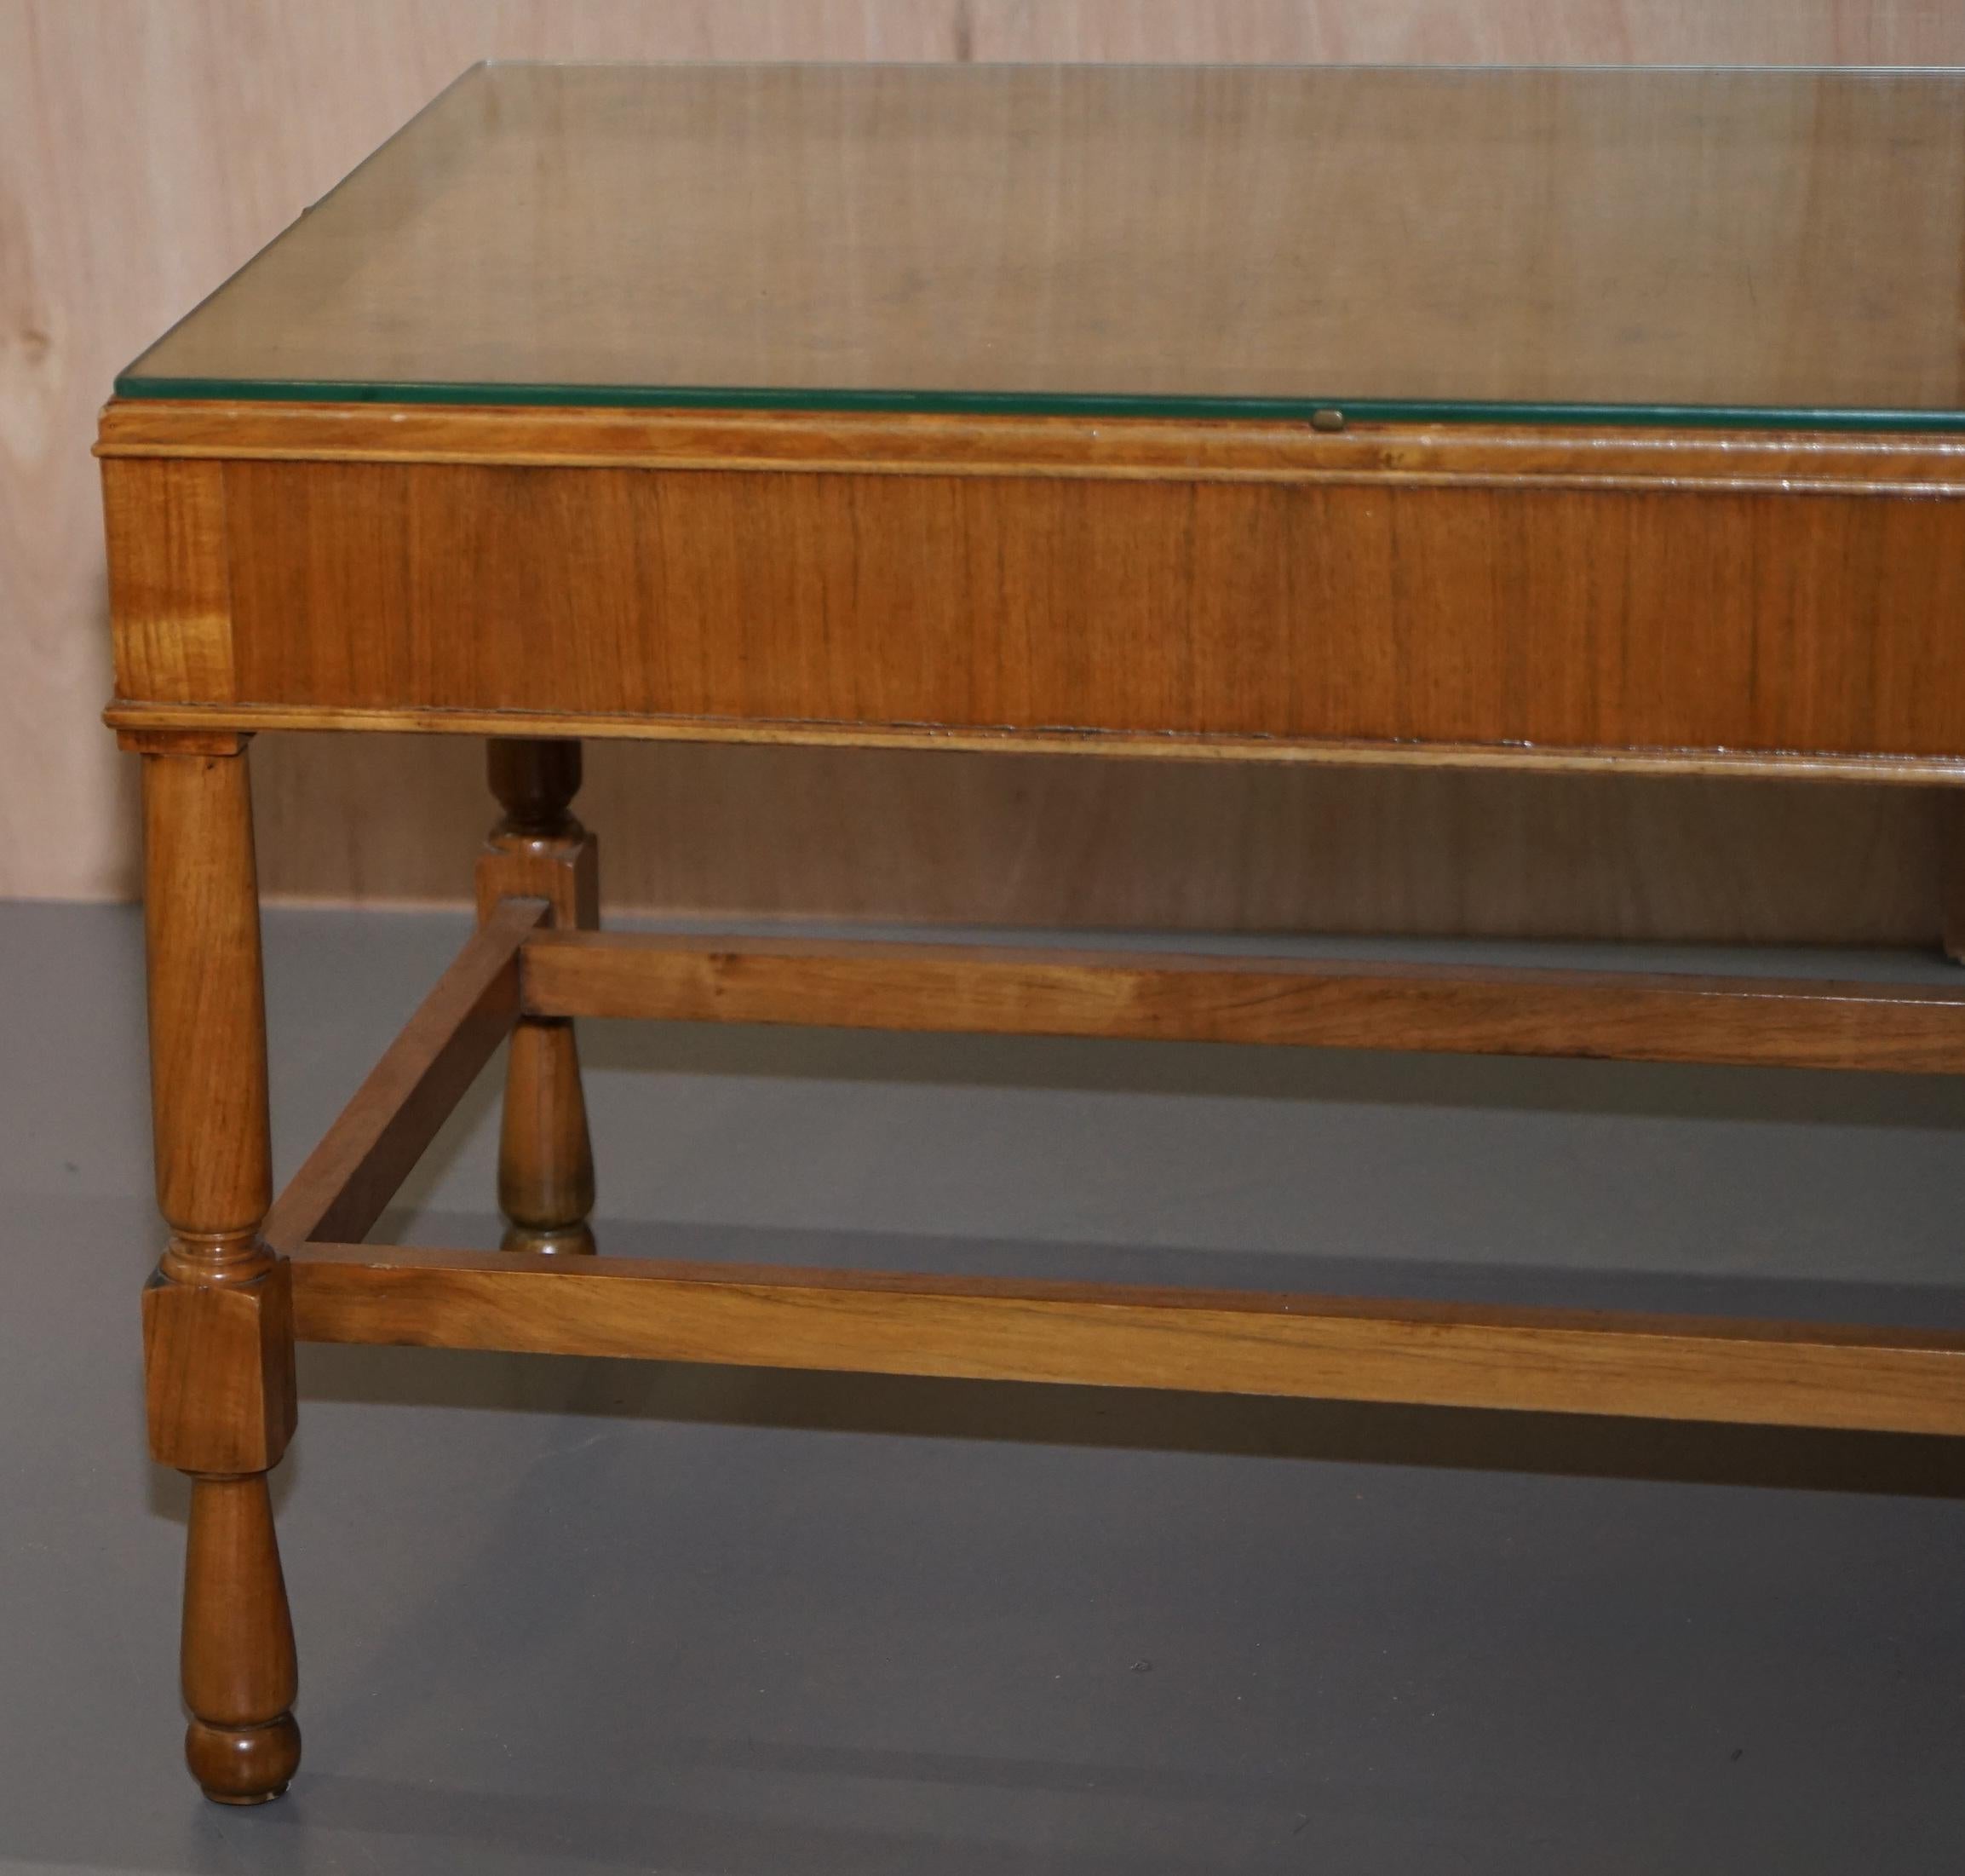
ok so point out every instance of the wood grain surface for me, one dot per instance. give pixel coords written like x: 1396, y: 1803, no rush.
x: 1402, y: 454
x: 1116, y: 1335
x: 1195, y: 997
x: 538, y: 845
x: 1602, y: 610
x: 1371, y: 612
x: 147, y: 151
x: 218, y: 1315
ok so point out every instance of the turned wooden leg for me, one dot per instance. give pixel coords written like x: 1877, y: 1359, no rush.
x: 218, y: 1314
x: 238, y: 1655
x: 539, y: 850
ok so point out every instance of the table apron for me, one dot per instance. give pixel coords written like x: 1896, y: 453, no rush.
x: 1747, y: 622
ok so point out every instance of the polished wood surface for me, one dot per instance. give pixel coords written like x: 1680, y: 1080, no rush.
x: 545, y: 1159
x: 172, y: 613
x: 219, y: 1385
x: 1525, y: 598
x: 1010, y: 990
x: 148, y: 152
x: 1787, y: 1374
x: 240, y: 1675
x: 1470, y: 455
x: 217, y: 1317
x: 1711, y: 602
x: 207, y: 1011
x: 537, y: 849
x: 1145, y: 608
x: 346, y: 1182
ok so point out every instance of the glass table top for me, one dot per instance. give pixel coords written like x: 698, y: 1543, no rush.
x: 1733, y: 247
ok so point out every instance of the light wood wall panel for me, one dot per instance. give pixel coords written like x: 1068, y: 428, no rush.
x: 148, y: 147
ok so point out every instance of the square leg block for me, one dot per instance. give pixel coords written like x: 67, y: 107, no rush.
x: 219, y: 1371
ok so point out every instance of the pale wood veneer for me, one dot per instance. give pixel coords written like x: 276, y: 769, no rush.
x: 1789, y: 1374
x: 1652, y: 579
x: 217, y: 1316
x: 1005, y: 989
x: 1676, y: 599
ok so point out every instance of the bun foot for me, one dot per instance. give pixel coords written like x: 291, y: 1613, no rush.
x: 573, y: 1241
x: 243, y: 1764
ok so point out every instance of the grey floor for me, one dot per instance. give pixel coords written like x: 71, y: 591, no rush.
x: 589, y: 1616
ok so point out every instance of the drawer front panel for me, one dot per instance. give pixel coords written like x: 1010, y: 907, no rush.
x: 1392, y: 611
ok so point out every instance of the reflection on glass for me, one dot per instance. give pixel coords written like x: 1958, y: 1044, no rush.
x: 1202, y: 240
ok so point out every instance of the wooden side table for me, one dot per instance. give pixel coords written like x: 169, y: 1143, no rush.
x: 1592, y: 420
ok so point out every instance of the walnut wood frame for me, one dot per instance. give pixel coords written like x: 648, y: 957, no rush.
x: 1631, y: 600
x: 1106, y: 1335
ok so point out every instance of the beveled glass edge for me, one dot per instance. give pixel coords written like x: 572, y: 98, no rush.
x: 1305, y: 410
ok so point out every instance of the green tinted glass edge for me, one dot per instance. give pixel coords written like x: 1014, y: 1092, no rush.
x: 1363, y: 410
